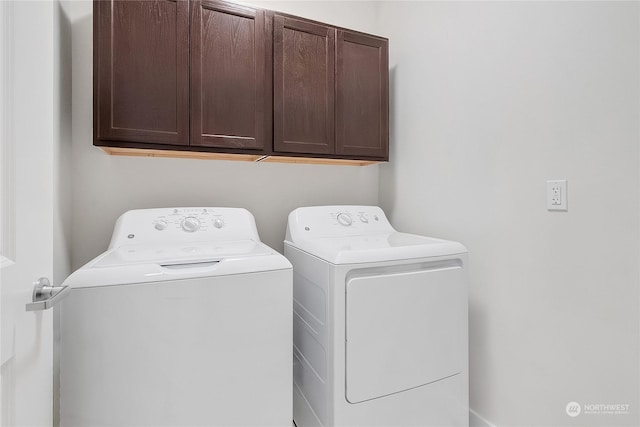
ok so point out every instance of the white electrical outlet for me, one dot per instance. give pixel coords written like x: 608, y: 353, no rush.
x: 557, y: 195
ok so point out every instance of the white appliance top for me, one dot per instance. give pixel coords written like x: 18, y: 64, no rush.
x: 358, y: 234
x: 151, y: 245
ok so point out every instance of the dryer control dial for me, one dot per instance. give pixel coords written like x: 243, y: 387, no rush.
x: 190, y: 224
x: 344, y: 219
x: 161, y: 225
x: 218, y: 223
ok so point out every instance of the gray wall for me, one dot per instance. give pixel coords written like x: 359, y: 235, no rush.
x: 490, y: 100
x: 106, y: 186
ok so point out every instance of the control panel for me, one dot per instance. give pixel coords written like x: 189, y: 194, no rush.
x: 335, y: 221
x: 347, y: 218
x: 177, y: 225
x: 357, y: 216
x: 189, y: 220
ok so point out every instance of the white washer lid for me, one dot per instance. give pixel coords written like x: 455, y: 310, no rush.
x: 147, y: 263
x: 377, y: 248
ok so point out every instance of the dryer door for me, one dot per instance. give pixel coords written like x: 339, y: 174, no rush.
x: 404, y: 329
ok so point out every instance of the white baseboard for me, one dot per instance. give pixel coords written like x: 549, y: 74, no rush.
x: 476, y: 420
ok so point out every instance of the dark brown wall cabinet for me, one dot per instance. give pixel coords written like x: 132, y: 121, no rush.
x: 213, y: 76
x: 230, y: 80
x: 362, y: 95
x: 304, y: 91
x: 148, y: 53
x: 141, y: 71
x: 330, y: 90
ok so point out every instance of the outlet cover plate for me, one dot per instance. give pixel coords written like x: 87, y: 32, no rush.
x: 557, y: 197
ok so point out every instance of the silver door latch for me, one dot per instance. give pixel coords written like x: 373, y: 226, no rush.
x: 46, y: 296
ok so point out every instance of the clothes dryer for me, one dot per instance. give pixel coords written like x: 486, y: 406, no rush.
x: 380, y: 322
x: 184, y: 320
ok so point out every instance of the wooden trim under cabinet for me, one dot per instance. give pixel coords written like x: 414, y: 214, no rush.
x: 175, y: 154
x: 317, y: 161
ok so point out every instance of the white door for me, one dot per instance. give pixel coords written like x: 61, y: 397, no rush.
x: 26, y: 253
x: 404, y: 330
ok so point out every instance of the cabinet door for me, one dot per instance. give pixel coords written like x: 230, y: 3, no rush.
x: 362, y: 105
x: 230, y: 76
x: 141, y: 71
x: 303, y: 86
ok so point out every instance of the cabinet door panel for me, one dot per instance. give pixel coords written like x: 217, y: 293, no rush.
x: 230, y: 90
x: 142, y: 68
x: 303, y: 86
x: 362, y: 107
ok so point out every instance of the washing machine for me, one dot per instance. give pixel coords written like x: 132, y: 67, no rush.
x: 380, y: 322
x: 184, y: 321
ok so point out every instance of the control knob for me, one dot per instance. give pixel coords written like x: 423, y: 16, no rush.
x: 218, y: 223
x: 161, y: 225
x: 344, y: 219
x: 190, y: 224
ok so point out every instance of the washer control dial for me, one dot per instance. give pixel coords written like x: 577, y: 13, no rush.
x: 190, y: 224
x: 218, y: 223
x: 161, y: 225
x: 363, y: 218
x: 344, y: 219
